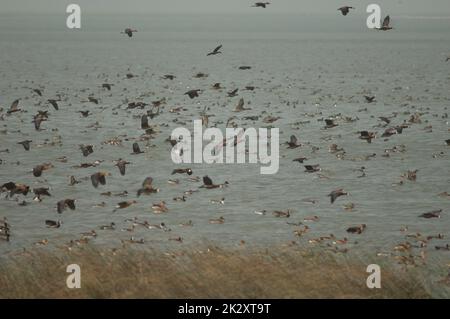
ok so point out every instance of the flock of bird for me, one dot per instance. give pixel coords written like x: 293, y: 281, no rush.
x: 391, y: 126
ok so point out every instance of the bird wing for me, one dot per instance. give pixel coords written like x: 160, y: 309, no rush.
x: 95, y: 180
x: 240, y: 105
x: 207, y: 180
x: 121, y: 166
x: 386, y: 21
x: 364, y: 133
x: 50, y: 223
x: 61, y: 205
x: 217, y: 49
x: 144, y: 121
x: 14, y: 106
x: 102, y: 179
x: 70, y: 203
x: 147, y: 183
x: 37, y: 122
x: 136, y: 148
x: 293, y: 140
x: 333, y: 197
x: 9, y: 186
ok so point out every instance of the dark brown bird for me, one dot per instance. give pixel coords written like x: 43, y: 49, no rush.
x: 215, y: 51
x: 144, y: 122
x: 73, y: 181
x: 385, y: 26
x: 85, y: 113
x: 121, y: 164
x: 99, y: 178
x: 39, y: 118
x: 147, y: 187
x: 312, y: 168
x: 208, y: 183
x: 356, y: 229
x: 245, y: 67
x: 240, y: 106
x: 335, y: 194
x: 345, y: 10
x: 432, y: 214
x: 93, y: 100
x: 65, y: 203
x: 41, y: 191
x: 129, y: 32
x: 369, y: 99
x: 392, y: 131
x: 136, y: 149
x: 14, y: 107
x: 216, y: 86
x: 300, y: 159
x: 193, y: 93
x: 182, y: 171
x: 53, y: 223
x: 107, y: 86
x: 38, y: 169
x: 26, y: 144
x: 54, y: 103
x: 293, y: 142
x: 15, y: 188
x: 87, y: 149
x: 261, y: 4
x: 38, y: 92
x: 329, y: 123
x: 169, y: 77
x: 366, y: 135
x: 125, y: 204
x: 233, y: 93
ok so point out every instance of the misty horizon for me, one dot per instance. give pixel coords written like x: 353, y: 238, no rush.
x: 411, y: 9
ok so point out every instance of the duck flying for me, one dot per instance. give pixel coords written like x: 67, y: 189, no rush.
x: 87, y: 149
x: 54, y: 103
x: 129, y: 32
x: 53, y: 223
x: 261, y: 4
x: 293, y: 142
x: 215, y: 51
x: 193, y: 93
x: 65, y: 203
x: 99, y: 178
x: 208, y: 183
x: 345, y: 10
x: 335, y: 194
x: 136, y: 149
x: 182, y: 171
x: 25, y: 144
x: 147, y: 187
x: 385, y: 26
x: 14, y: 107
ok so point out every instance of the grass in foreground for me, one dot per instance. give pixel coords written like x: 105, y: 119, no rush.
x: 211, y: 273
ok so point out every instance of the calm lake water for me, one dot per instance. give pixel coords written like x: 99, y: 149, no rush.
x: 304, y: 69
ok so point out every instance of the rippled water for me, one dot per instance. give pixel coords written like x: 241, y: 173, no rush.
x: 303, y: 70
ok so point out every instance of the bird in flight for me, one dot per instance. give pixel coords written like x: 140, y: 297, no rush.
x: 261, y: 4
x: 129, y: 32
x: 345, y: 10
x: 215, y: 51
x: 385, y: 26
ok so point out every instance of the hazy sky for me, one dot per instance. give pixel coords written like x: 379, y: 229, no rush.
x: 437, y: 8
